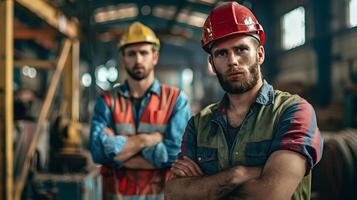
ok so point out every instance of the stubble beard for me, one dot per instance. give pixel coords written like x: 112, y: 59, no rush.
x: 138, y: 76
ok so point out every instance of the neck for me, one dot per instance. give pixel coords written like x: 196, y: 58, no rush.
x: 242, y: 102
x: 139, y: 88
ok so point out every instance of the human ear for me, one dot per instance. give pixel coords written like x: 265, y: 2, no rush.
x: 210, y: 60
x: 261, y: 54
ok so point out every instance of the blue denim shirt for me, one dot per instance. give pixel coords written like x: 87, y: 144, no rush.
x: 104, y: 148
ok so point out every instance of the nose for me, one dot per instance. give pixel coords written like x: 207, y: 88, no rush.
x: 232, y: 59
x: 139, y: 58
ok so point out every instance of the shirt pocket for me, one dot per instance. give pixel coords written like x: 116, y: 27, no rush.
x: 256, y: 153
x: 207, y: 159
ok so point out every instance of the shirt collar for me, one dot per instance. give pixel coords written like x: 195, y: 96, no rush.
x: 124, y: 89
x: 265, y: 97
x: 266, y: 94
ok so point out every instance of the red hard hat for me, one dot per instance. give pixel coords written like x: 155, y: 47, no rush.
x: 227, y: 19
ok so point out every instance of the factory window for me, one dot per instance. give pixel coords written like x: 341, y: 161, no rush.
x: 352, y: 7
x: 293, y: 28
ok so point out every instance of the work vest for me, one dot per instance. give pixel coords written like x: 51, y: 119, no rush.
x: 130, y: 184
x: 252, y: 144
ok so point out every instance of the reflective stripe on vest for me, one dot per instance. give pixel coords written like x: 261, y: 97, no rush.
x: 125, y: 183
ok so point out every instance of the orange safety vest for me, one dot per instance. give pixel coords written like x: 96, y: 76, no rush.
x: 125, y: 183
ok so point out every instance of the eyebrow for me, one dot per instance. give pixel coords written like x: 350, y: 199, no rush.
x: 232, y: 47
x: 137, y: 51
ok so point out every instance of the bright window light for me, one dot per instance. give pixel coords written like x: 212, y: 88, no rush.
x: 106, y: 75
x: 187, y: 76
x: 29, y: 71
x: 352, y: 13
x: 293, y: 28
x: 207, y: 2
x: 118, y: 12
x: 86, y: 80
x: 166, y: 12
x: 192, y: 18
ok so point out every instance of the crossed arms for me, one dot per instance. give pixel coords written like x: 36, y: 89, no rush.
x: 298, y: 147
x: 129, y: 155
x: 142, y: 150
x: 276, y: 180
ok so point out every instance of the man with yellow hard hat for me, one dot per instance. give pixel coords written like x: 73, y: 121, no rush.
x: 137, y: 127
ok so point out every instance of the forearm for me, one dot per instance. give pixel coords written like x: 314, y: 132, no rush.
x: 133, y: 146
x: 209, y: 187
x: 138, y: 162
x: 136, y: 143
x: 281, y: 175
x: 247, y: 190
x: 259, y: 188
x: 193, y: 188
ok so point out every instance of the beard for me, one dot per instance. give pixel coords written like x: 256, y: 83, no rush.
x: 138, y: 73
x: 243, y: 84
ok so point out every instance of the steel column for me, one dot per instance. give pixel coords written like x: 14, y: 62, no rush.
x: 6, y: 99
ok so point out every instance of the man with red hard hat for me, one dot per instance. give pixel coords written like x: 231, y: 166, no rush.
x: 257, y: 142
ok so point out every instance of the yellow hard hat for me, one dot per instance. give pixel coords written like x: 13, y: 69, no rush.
x: 137, y: 33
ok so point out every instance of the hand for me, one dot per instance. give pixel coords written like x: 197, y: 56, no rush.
x: 186, y: 168
x: 152, y: 138
x: 108, y: 131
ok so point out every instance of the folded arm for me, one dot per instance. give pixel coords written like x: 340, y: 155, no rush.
x: 191, y: 183
x: 281, y: 175
x: 134, y: 144
x: 165, y: 153
x: 105, y: 146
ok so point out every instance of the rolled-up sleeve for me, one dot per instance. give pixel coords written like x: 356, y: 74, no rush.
x: 165, y: 153
x: 297, y: 131
x: 104, y: 148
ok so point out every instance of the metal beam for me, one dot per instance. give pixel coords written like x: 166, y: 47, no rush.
x: 71, y: 84
x: 52, y: 16
x: 75, y: 81
x: 46, y: 64
x: 6, y: 99
x: 35, y: 34
x: 19, y: 184
x: 322, y: 44
x: 45, y: 37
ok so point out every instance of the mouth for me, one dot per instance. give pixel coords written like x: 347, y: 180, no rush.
x: 139, y: 68
x: 233, y: 75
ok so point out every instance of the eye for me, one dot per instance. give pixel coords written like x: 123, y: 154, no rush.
x: 241, y: 49
x: 220, y: 53
x: 144, y: 53
x: 131, y: 53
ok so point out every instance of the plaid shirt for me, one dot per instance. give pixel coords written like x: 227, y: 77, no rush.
x: 276, y: 121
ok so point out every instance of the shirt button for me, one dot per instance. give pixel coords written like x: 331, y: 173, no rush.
x: 237, y: 153
x: 199, y: 158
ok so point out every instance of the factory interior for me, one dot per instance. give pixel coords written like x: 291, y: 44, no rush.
x: 58, y: 56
